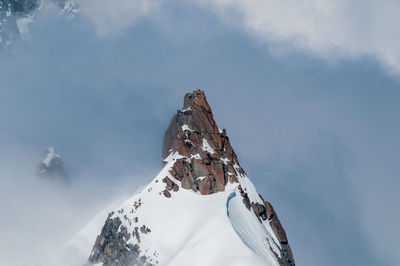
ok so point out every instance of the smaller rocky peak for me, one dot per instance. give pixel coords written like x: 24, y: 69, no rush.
x: 52, y: 166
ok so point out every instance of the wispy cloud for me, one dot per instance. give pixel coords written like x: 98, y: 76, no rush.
x: 327, y: 29
x: 330, y: 30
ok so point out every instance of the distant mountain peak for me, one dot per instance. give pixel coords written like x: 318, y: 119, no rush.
x: 201, y: 209
x: 52, y: 166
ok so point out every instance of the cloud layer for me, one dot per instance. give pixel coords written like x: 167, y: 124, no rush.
x: 327, y: 29
x: 330, y: 30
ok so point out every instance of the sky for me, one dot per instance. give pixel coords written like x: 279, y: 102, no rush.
x: 309, y: 92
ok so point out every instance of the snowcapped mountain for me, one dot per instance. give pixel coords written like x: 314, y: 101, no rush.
x: 201, y: 209
x: 16, y: 15
x: 52, y: 166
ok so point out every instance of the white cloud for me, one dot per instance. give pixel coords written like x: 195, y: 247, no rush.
x: 325, y: 29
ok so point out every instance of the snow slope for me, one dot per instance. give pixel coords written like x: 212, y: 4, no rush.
x: 200, y: 210
x: 188, y: 229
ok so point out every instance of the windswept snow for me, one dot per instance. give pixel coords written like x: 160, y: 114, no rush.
x: 254, y: 234
x: 188, y: 228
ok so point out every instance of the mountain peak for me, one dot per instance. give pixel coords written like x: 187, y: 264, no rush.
x: 52, y: 166
x: 201, y: 203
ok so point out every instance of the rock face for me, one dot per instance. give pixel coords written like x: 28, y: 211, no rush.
x: 194, y: 134
x: 197, y: 157
x: 52, y: 166
x: 111, y: 247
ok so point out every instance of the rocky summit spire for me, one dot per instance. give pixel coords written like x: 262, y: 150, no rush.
x: 175, y: 210
x: 208, y: 161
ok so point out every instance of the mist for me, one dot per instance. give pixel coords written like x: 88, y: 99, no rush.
x: 319, y: 141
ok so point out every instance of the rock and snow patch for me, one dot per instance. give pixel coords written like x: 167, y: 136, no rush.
x: 186, y: 128
x: 50, y: 156
x: 207, y: 147
x: 257, y: 236
x: 225, y: 160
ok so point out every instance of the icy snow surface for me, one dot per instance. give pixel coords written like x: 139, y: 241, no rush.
x: 188, y: 229
x: 253, y: 233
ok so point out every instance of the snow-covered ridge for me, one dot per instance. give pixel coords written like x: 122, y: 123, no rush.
x: 201, y: 209
x: 172, y: 230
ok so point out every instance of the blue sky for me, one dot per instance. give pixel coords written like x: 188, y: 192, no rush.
x: 312, y: 116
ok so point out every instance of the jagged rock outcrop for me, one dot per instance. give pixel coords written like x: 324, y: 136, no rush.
x: 197, y: 157
x: 111, y: 248
x: 52, y: 166
x: 194, y: 134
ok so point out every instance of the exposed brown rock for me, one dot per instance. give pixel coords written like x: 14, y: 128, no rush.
x: 233, y: 179
x: 196, y: 101
x: 199, y: 169
x: 219, y: 176
x: 270, y: 210
x: 167, y: 194
x: 259, y: 210
x: 170, y: 184
x: 144, y: 229
x: 208, y: 185
x: 185, y: 183
x: 180, y: 169
x: 204, y: 146
x: 275, y: 223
